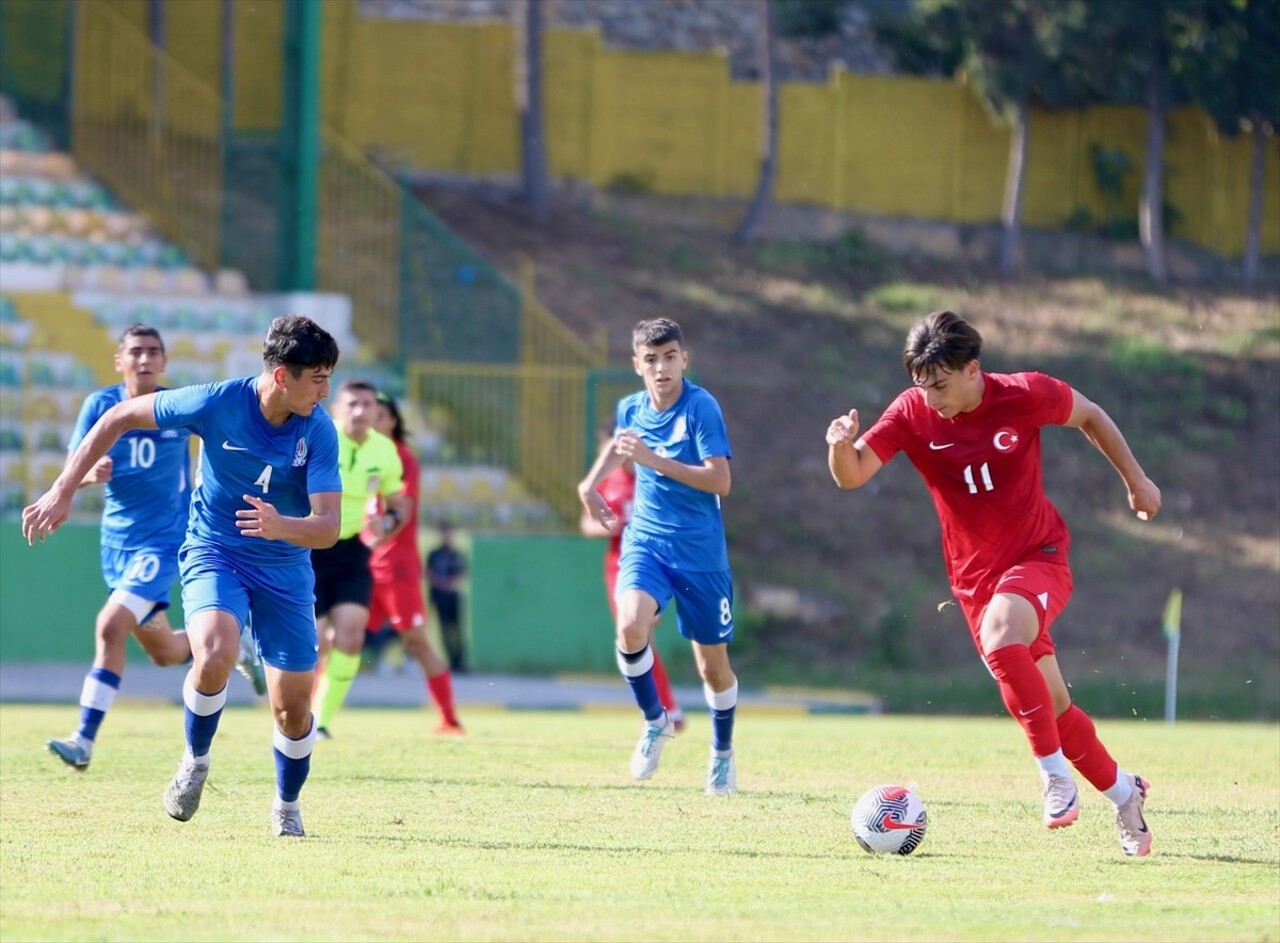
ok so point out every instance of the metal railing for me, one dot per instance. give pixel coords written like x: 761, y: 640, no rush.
x: 148, y: 129
x: 511, y: 379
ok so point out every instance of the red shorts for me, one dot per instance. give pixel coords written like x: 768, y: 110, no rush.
x: 1047, y: 586
x: 398, y: 602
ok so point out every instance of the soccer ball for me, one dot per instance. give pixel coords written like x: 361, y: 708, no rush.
x: 889, y: 820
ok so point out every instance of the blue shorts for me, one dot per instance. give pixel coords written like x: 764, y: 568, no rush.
x: 704, y: 600
x: 145, y: 572
x: 276, y: 602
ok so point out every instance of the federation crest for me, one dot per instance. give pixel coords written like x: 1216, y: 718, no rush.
x: 300, y: 453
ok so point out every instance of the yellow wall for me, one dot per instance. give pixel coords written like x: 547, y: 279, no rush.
x: 441, y: 97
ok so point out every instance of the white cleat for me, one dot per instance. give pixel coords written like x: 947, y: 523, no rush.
x: 722, y: 775
x: 1131, y: 824
x: 1061, y: 801
x: 648, y: 754
x: 182, y: 798
x: 73, y: 751
x: 287, y: 823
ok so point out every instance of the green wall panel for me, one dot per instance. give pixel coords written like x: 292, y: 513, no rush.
x: 537, y: 604
x: 51, y: 593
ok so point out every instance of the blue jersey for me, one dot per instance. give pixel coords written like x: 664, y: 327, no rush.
x: 244, y: 454
x: 680, y: 523
x: 146, y: 499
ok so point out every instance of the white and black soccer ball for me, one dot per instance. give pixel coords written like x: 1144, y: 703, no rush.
x: 889, y: 820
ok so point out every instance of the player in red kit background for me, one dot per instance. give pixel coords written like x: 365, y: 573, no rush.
x: 397, y: 578
x: 619, y: 491
x: 975, y: 439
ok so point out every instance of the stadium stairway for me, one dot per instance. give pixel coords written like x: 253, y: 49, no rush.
x: 60, y: 326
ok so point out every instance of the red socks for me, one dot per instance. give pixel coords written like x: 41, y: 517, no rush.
x: 1026, y: 695
x: 441, y: 687
x: 1085, y: 751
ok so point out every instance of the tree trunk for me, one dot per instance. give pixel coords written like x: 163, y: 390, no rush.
x: 1151, y: 205
x: 749, y: 230
x: 533, y: 147
x: 1252, y: 240
x: 1014, y: 186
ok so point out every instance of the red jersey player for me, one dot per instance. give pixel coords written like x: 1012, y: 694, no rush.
x: 619, y: 491
x: 397, y: 578
x: 975, y: 439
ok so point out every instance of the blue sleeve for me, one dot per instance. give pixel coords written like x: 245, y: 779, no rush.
x: 710, y: 434
x: 185, y: 408
x: 322, y: 465
x: 91, y: 411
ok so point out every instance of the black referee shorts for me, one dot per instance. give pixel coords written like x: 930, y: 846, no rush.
x: 342, y: 575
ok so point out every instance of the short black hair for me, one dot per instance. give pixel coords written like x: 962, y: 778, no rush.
x: 138, y: 329
x: 298, y: 343
x: 942, y: 341
x: 363, y: 386
x: 656, y: 332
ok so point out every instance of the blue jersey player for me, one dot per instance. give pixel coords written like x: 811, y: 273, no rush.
x: 269, y: 492
x: 674, y: 547
x: 145, y: 475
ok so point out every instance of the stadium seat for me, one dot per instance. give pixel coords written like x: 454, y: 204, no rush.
x: 230, y: 282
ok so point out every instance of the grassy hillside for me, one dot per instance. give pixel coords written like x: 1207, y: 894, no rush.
x: 847, y: 587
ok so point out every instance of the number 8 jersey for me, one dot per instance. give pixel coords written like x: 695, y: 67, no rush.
x: 244, y: 454
x: 145, y: 502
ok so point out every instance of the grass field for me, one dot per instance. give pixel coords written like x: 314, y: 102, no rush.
x: 529, y: 829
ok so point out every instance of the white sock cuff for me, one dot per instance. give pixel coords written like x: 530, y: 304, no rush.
x: 97, y: 696
x: 298, y: 749
x: 199, y: 704
x: 721, y: 700
x: 1122, y: 789
x: 634, y: 669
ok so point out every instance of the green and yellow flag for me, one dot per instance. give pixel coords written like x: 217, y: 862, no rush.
x: 1173, y: 614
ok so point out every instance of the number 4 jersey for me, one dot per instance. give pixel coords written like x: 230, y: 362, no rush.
x: 244, y: 454
x: 145, y: 502
x: 983, y: 471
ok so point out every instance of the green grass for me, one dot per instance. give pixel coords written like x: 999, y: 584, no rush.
x: 529, y: 829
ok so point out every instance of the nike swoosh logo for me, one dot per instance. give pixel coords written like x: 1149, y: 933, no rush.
x: 1030, y: 712
x: 234, y: 448
x: 889, y: 822
x: 939, y: 448
x: 725, y: 633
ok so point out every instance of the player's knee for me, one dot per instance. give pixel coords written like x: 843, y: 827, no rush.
x: 113, y: 627
x: 633, y: 635
x: 293, y: 719
x: 216, y: 653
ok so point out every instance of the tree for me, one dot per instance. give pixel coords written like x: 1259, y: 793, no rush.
x: 1236, y: 79
x: 749, y: 229
x: 535, y: 180
x: 1015, y: 52
x: 1140, y: 53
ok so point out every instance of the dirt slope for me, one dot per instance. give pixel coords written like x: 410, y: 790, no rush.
x: 787, y: 336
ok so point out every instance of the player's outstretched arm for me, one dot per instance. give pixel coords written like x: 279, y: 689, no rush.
x: 317, y: 531
x: 51, y: 509
x: 1101, y: 430
x: 606, y: 463
x: 851, y: 463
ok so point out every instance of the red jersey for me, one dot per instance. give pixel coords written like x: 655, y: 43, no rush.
x: 399, y: 559
x: 619, y: 492
x: 983, y: 471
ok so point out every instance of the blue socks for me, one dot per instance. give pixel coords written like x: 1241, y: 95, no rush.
x: 637, y: 668
x: 293, y: 761
x: 99, y: 691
